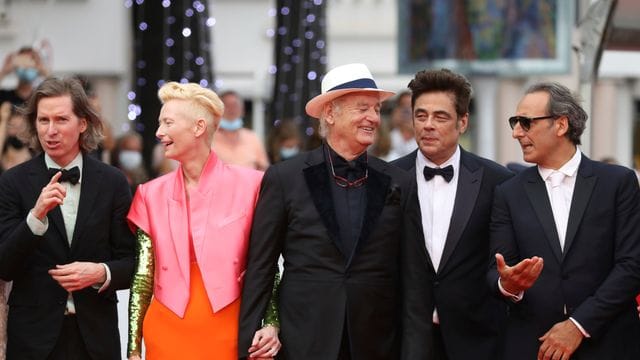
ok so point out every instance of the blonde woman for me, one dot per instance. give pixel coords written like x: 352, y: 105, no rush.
x: 193, y: 227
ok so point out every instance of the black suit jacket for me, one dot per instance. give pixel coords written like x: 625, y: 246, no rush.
x: 471, y: 319
x: 321, y: 288
x: 37, y: 302
x: 597, y: 275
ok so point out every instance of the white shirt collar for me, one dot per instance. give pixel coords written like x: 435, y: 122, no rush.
x: 77, y: 161
x: 454, y: 161
x: 569, y: 169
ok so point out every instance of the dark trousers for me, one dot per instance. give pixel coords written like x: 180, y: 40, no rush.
x: 345, y: 344
x: 70, y: 345
x: 439, y: 350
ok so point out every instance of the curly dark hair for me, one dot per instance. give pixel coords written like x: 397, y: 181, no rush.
x: 445, y: 80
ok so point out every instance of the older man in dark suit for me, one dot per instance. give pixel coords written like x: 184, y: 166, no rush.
x: 63, y: 237
x: 336, y: 216
x: 566, y: 234
x: 451, y: 232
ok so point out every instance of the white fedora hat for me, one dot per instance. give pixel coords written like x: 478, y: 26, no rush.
x: 343, y: 80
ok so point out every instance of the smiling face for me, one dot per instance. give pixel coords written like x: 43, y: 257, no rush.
x: 353, y: 122
x: 176, y: 129
x: 59, y: 128
x: 437, y: 125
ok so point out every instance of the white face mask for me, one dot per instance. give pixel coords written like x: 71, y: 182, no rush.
x: 288, y: 152
x: 129, y: 159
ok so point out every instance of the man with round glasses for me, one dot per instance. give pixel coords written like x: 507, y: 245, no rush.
x: 336, y: 216
x: 566, y: 239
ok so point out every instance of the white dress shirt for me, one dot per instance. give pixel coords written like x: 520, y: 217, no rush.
x: 560, y: 195
x: 436, y: 198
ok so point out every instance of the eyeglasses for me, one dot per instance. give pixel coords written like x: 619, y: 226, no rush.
x: 525, y: 121
x: 345, y: 183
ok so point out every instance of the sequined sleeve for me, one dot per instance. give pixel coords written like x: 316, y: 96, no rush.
x: 141, y: 291
x: 271, y: 315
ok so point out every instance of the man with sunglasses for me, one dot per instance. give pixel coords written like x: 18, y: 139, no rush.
x: 335, y: 214
x: 451, y: 228
x: 566, y: 239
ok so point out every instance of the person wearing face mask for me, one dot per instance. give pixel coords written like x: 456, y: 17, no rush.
x: 127, y: 157
x: 27, y: 66
x: 235, y: 144
x: 285, y: 141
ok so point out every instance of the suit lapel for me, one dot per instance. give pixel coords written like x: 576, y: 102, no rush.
x: 537, y: 194
x: 585, y: 182
x: 318, y: 182
x: 89, y: 189
x: 469, y: 181
x: 39, y: 178
x: 177, y: 205
x: 415, y: 215
x: 378, y: 186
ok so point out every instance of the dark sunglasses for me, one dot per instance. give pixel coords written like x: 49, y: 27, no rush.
x: 525, y: 121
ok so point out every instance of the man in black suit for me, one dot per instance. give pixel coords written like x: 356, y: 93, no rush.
x: 451, y: 229
x: 64, y: 241
x: 336, y: 216
x: 566, y: 234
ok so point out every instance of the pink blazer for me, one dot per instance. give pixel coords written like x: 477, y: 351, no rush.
x: 221, y: 216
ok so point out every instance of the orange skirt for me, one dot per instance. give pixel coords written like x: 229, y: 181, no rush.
x: 202, y: 334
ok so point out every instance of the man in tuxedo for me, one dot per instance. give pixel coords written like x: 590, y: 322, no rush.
x: 566, y: 239
x: 63, y: 237
x: 335, y: 214
x: 451, y: 229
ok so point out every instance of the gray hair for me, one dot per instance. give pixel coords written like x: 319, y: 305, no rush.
x: 336, y: 105
x: 563, y: 103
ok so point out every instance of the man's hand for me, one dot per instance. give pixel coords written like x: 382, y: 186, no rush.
x: 520, y: 277
x: 560, y: 342
x: 52, y: 195
x: 78, y: 275
x: 265, y: 344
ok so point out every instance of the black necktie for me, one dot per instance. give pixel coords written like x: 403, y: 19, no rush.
x: 446, y: 172
x: 72, y: 175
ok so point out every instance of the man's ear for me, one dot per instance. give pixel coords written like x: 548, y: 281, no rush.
x: 562, y: 124
x: 329, y: 112
x: 463, y: 122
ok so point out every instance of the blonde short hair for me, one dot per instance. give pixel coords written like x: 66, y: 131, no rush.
x: 206, y: 102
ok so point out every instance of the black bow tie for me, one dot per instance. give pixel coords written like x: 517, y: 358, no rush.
x: 72, y: 175
x: 446, y: 172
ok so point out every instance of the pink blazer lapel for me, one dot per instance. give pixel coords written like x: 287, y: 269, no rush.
x: 179, y: 224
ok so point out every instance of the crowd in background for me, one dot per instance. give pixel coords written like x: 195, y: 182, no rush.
x: 234, y: 143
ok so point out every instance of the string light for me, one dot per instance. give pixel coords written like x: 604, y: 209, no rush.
x: 300, y: 56
x: 172, y: 43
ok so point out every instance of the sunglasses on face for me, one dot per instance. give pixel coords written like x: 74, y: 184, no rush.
x: 525, y: 121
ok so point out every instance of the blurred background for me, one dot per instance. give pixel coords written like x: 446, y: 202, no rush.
x: 273, y: 54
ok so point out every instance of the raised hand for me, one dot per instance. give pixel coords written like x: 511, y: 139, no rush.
x: 52, y: 195
x: 520, y: 277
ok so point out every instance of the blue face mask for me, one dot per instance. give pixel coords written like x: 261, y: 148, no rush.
x: 231, y: 125
x: 26, y: 74
x: 288, y: 152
